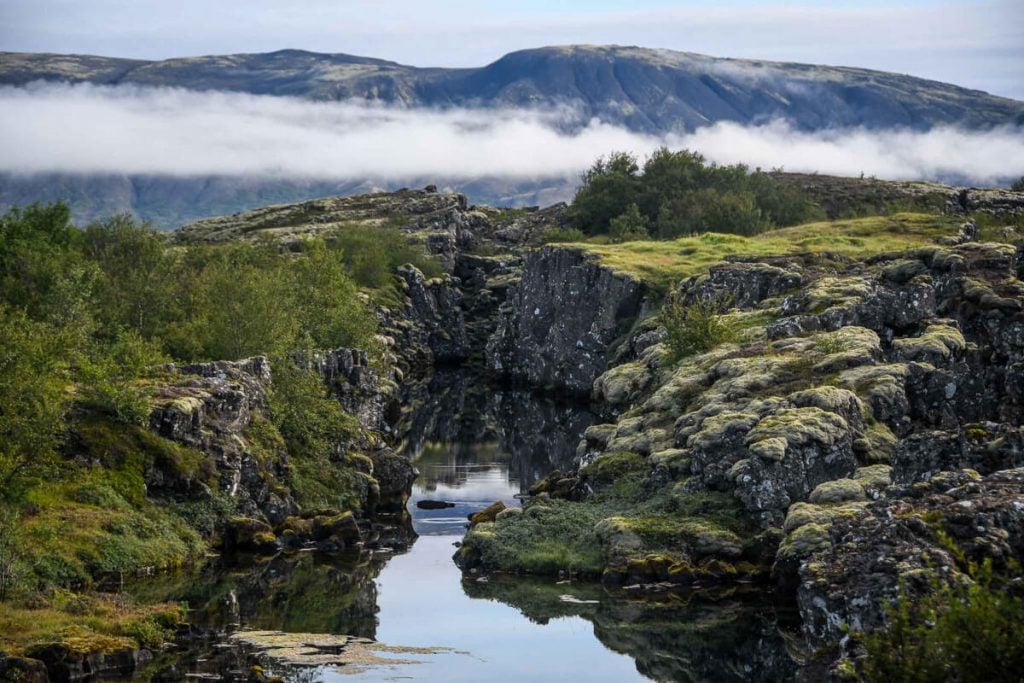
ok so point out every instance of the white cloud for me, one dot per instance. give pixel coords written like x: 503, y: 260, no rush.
x: 96, y: 129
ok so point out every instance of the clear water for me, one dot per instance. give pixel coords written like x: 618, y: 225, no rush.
x: 473, y: 448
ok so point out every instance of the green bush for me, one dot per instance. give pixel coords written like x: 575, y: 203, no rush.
x: 555, y: 235
x: 968, y: 631
x: 696, y: 327
x: 630, y: 226
x: 372, y: 253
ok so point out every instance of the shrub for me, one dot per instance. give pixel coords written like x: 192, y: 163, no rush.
x: 968, y: 631
x: 629, y: 226
x: 697, y: 327
x: 1018, y: 185
x: 12, y: 567
x: 554, y: 235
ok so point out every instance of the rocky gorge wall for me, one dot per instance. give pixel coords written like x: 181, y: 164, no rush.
x: 220, y: 409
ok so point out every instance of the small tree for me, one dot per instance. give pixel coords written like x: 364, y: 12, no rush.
x: 695, y: 327
x: 628, y: 226
x: 1018, y: 185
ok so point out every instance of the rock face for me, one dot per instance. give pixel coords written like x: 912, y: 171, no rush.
x: 557, y: 328
x: 209, y: 409
x: 215, y: 408
x: 867, y: 554
x: 356, y: 384
x: 866, y: 411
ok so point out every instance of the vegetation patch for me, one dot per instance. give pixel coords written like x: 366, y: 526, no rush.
x: 86, y: 623
x: 661, y: 264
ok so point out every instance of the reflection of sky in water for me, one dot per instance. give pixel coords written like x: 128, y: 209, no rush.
x: 472, y: 476
x: 422, y: 604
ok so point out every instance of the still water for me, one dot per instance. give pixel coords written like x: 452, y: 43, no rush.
x: 472, y: 446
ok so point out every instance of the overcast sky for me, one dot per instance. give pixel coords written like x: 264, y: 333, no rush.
x: 975, y: 44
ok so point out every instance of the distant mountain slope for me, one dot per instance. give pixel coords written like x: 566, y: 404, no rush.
x: 647, y: 90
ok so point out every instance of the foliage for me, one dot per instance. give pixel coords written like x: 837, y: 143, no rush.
x: 32, y: 400
x: 680, y: 193
x: 108, y: 377
x: 966, y: 631
x: 696, y: 327
x: 313, y: 428
x: 630, y: 225
x: 371, y: 253
x: 12, y: 567
x: 1018, y: 185
x: 555, y: 235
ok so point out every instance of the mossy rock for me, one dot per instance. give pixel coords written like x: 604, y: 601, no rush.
x: 488, y: 514
x: 609, y: 467
x: 838, y: 491
x: 938, y: 343
x: 806, y: 540
x: 795, y: 427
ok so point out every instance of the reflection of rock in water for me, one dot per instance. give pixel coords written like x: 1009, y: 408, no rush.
x: 456, y: 412
x: 308, y: 593
x: 671, y: 637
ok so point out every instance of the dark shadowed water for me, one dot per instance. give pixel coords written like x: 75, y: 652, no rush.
x: 474, y: 445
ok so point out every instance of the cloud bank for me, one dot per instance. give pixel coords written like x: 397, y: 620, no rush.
x: 129, y: 130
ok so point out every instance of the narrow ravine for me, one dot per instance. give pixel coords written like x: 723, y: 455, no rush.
x: 473, y: 445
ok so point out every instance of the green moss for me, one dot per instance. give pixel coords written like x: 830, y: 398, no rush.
x: 937, y: 342
x: 86, y: 623
x: 838, y: 491
x: 85, y: 527
x: 663, y: 263
x: 795, y: 427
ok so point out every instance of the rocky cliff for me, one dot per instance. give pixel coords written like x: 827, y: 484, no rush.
x: 562, y: 320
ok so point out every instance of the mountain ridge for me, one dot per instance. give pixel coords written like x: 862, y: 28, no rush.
x: 644, y: 89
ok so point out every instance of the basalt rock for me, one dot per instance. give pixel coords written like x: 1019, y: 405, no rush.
x: 866, y: 556
x: 209, y: 408
x: 558, y: 325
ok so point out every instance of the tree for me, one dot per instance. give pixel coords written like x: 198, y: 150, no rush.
x: 35, y: 247
x: 608, y: 188
x: 681, y: 193
x: 1018, y: 185
x: 33, y: 377
x: 327, y: 302
x: 247, y: 305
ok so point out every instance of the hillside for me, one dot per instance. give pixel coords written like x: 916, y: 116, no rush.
x: 653, y: 91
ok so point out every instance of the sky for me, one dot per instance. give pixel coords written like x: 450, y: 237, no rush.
x: 978, y: 44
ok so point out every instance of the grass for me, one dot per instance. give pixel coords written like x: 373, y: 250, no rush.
x: 662, y: 263
x: 85, y: 623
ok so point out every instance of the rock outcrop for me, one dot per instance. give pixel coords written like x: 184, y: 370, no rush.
x: 221, y: 410
x: 903, y: 543
x: 559, y: 324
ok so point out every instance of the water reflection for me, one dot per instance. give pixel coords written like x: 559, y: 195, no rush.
x: 474, y: 445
